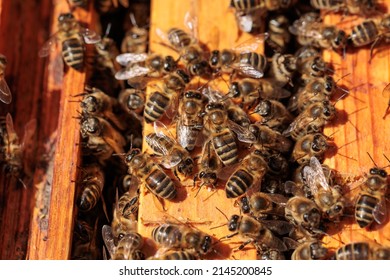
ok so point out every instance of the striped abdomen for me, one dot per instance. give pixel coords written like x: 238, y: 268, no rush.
x: 364, y: 33
x: 246, y: 6
x: 155, y: 107
x: 179, y: 38
x: 128, y: 245
x: 73, y: 53
x: 364, y: 210
x: 238, y: 183
x: 257, y: 61
x: 89, y: 197
x: 160, y: 184
x: 353, y: 251
x: 177, y: 255
x: 225, y: 146
x: 167, y: 235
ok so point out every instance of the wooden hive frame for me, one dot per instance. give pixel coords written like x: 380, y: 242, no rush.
x: 36, y: 95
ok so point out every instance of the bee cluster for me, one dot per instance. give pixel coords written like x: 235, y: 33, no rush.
x: 236, y: 119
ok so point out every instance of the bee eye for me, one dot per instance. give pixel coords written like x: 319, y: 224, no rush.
x: 198, y: 96
x: 201, y: 175
x: 188, y: 161
x: 383, y: 173
x: 213, y: 176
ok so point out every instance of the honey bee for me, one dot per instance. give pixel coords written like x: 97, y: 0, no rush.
x: 5, y: 92
x: 159, y: 102
x: 303, y: 212
x: 181, y: 236
x: 141, y: 64
x: 273, y: 114
x: 126, y: 248
x: 132, y: 101
x: 97, y: 103
x: 209, y: 166
x: 310, y: 250
x: 192, y: 52
x: 173, y: 155
x: 256, y: 232
x: 174, y: 255
x: 269, y: 138
x: 14, y: 154
x: 279, y: 35
x: 220, y: 127
x: 371, y: 32
x: 354, y: 7
x: 128, y: 202
x: 72, y: 37
x: 249, y: 91
x: 370, y: 204
x: 312, y: 66
x: 282, y: 68
x: 260, y: 204
x: 270, y: 254
x: 245, y: 63
x: 308, y: 146
x: 84, y: 245
x: 247, y: 174
x: 362, y: 251
x: 92, y: 186
x: 106, y: 53
x: 311, y: 120
x: 328, y: 198
x: 311, y: 31
x: 141, y: 166
x: 101, y: 138
x: 135, y: 39
x: 316, y: 90
x: 189, y: 122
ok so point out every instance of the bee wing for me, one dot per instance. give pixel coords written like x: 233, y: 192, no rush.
x: 132, y: 72
x: 380, y: 212
x: 49, y: 46
x: 298, y: 123
x: 248, y: 70
x: 182, y: 132
x: 191, y: 22
x: 108, y: 239
x: 243, y: 134
x: 245, y: 22
x: 5, y: 92
x: 291, y: 188
x: 273, y: 90
x: 163, y: 36
x: 9, y: 124
x: 386, y: 91
x: 126, y: 58
x: 90, y: 36
x: 252, y: 44
x: 279, y: 227
x: 278, y: 198
x: 163, y: 131
x: 212, y: 95
x: 320, y: 175
x: 56, y: 67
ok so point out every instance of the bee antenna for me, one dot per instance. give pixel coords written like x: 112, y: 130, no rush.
x: 387, y: 160
x: 218, y: 226
x: 227, y: 219
x: 372, y: 159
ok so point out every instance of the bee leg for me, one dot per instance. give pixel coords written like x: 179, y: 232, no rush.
x: 244, y: 244
x: 176, y: 175
x: 377, y: 40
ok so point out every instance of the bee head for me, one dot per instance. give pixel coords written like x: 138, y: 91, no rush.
x: 233, y: 223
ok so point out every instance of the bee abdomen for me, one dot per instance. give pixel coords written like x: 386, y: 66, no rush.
x: 364, y: 208
x: 167, y: 235
x: 353, y: 251
x: 178, y: 38
x: 89, y: 197
x: 238, y: 183
x: 73, y: 53
x: 160, y: 184
x: 226, y: 148
x: 364, y: 33
x: 155, y: 107
x: 179, y: 255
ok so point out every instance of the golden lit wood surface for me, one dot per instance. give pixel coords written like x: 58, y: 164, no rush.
x: 360, y: 128
x: 217, y: 29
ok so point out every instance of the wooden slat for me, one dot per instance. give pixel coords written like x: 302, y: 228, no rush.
x: 359, y: 128
x: 53, y: 240
x: 217, y: 29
